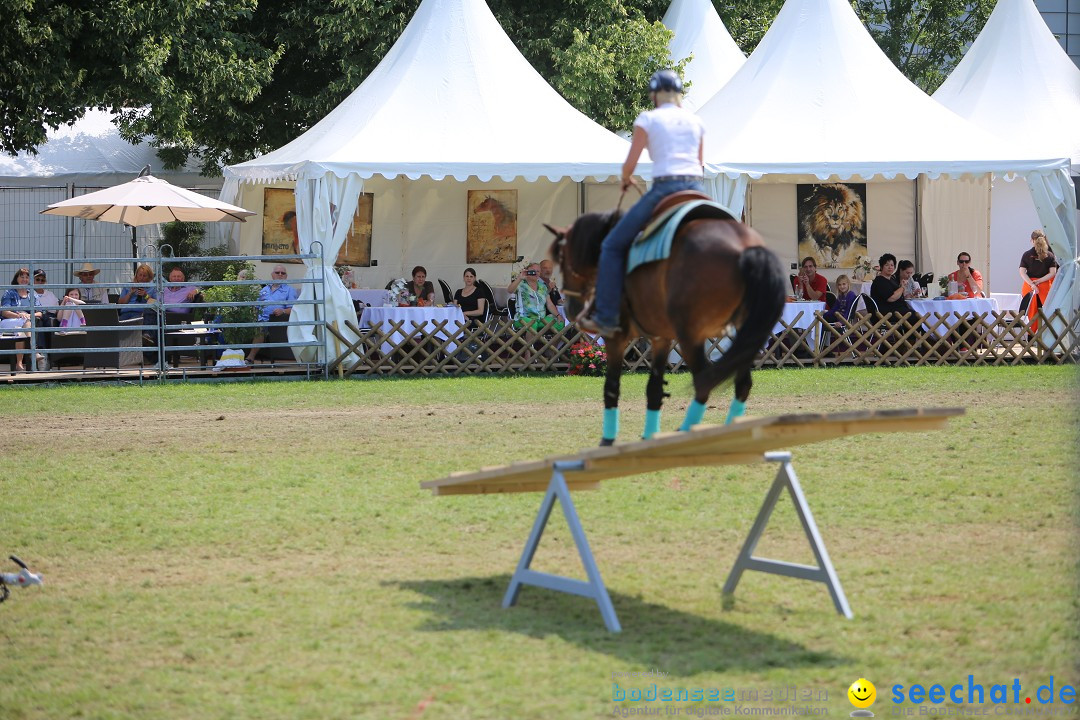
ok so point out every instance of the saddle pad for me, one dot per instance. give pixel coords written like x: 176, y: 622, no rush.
x: 654, y: 244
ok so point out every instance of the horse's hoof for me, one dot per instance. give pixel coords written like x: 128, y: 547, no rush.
x: 604, y: 442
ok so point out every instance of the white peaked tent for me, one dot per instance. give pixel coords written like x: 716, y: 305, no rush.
x: 1016, y: 82
x: 700, y: 31
x: 453, y: 101
x: 818, y: 99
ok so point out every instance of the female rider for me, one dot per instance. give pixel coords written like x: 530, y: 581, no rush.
x: 674, y: 137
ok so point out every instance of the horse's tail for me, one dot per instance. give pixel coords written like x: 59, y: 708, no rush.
x: 765, y: 293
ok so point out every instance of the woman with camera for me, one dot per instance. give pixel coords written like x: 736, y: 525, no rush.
x: 534, y: 306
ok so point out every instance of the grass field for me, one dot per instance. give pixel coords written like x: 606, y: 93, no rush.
x: 264, y: 550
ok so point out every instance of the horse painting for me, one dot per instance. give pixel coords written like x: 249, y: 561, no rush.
x: 719, y: 274
x: 505, y: 220
x: 492, y: 229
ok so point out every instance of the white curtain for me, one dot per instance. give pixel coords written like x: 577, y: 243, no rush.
x: 729, y: 192
x: 325, y: 207
x: 1055, y: 201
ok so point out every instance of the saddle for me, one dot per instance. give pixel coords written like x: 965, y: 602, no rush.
x: 654, y: 243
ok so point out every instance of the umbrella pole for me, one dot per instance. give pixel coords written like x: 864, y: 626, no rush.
x: 134, y: 250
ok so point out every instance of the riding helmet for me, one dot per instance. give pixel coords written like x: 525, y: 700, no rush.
x: 665, y: 80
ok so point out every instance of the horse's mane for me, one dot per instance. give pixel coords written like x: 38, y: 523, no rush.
x: 588, y: 233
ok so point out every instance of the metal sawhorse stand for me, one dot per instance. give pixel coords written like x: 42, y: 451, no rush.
x: 594, y: 588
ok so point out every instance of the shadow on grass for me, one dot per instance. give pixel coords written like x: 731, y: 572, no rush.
x: 686, y: 644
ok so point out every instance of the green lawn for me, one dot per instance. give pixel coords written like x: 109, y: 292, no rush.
x: 265, y: 551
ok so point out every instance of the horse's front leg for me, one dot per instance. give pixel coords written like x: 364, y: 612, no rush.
x: 654, y: 391
x: 616, y: 347
x: 743, y: 383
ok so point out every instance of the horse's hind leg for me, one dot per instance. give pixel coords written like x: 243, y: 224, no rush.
x: 743, y: 383
x: 697, y: 361
x: 615, y: 346
x: 654, y: 391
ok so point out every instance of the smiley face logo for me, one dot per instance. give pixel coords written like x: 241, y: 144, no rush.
x: 862, y: 693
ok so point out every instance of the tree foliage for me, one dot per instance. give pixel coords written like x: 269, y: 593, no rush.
x: 924, y: 38
x: 225, y: 80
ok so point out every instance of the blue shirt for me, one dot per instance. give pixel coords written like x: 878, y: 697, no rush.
x: 284, y: 294
x: 13, y: 299
x: 137, y: 300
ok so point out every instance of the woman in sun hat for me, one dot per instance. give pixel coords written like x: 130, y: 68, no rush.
x: 91, y: 292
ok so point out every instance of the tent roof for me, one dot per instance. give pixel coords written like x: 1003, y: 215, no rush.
x: 700, y: 31
x: 819, y: 97
x: 89, y: 152
x: 1018, y: 83
x: 453, y: 97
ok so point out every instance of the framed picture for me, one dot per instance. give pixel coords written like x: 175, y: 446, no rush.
x: 832, y: 223
x: 491, y: 234
x: 279, y: 228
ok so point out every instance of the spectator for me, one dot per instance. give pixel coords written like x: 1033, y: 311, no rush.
x: 172, y: 294
x: 139, y: 295
x: 470, y: 299
x: 95, y: 293
x: 886, y: 290
x: 808, y: 285
x: 43, y: 297
x: 845, y: 299
x: 419, y: 287
x: 281, y: 296
x: 971, y: 282
x: 1038, y: 266
x: 911, y: 286
x: 71, y: 316
x: 534, y: 306
x: 12, y: 314
x: 547, y: 268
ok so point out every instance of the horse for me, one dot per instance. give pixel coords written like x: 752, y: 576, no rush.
x: 719, y: 274
x: 505, y: 221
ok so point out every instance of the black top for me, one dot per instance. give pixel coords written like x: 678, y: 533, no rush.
x: 881, y: 289
x: 1035, y: 267
x: 428, y: 290
x: 468, y: 303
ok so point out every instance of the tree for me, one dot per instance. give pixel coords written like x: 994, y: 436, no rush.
x: 924, y: 38
x: 174, y: 69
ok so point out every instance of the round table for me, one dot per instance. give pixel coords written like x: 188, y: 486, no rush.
x: 412, y: 318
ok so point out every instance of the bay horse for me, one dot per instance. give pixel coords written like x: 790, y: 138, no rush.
x: 719, y: 273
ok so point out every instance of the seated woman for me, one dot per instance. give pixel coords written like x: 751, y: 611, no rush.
x: 970, y: 281
x: 912, y: 288
x: 470, y: 299
x: 172, y: 294
x: 420, y: 288
x: 534, y: 306
x: 138, y: 295
x: 15, y: 312
x: 886, y: 290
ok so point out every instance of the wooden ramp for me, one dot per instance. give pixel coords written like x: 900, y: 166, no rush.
x: 745, y: 441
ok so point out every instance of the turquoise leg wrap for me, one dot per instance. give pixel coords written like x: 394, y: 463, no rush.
x: 737, y: 409
x: 694, y: 414
x: 652, y: 424
x: 611, y: 423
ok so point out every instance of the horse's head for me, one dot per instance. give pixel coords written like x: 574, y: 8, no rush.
x: 577, y: 252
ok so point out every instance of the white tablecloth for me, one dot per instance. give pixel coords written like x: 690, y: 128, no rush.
x: 951, y: 310
x: 1007, y: 301
x: 412, y: 317
x: 376, y: 298
x: 796, y: 315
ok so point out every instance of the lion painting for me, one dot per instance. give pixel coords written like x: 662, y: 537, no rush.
x: 832, y: 223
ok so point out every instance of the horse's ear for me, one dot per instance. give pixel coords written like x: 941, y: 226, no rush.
x: 557, y: 232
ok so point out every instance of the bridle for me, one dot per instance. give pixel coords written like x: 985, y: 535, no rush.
x: 568, y: 268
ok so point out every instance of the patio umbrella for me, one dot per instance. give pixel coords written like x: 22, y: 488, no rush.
x: 147, y: 200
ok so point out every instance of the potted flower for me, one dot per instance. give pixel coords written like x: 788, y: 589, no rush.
x: 862, y: 268
x: 587, y: 358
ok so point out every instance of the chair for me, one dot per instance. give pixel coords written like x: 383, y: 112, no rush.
x: 490, y: 297
x: 868, y: 303
x: 1025, y: 302
x: 511, y: 307
x: 830, y: 299
x: 448, y: 297
x: 388, y: 285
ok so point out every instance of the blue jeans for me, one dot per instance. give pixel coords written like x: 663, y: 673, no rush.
x: 612, y: 271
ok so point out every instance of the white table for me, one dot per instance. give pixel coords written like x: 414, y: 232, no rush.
x: 413, y: 317
x: 799, y: 314
x: 1007, y: 301
x: 376, y: 298
x: 951, y: 311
